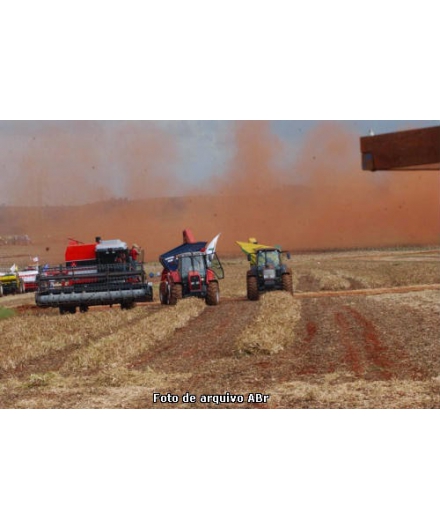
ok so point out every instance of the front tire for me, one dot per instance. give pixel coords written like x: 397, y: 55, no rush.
x: 252, y: 288
x: 212, y: 294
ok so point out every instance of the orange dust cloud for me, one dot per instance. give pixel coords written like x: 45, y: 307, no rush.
x: 324, y: 200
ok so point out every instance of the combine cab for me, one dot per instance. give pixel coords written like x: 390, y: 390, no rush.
x: 96, y: 274
x: 188, y: 270
x: 267, y: 271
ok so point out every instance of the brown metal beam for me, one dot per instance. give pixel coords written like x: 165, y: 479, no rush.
x: 413, y: 149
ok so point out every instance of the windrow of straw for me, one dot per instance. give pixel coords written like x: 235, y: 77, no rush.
x: 28, y: 337
x: 94, y: 357
x: 273, y: 329
x: 129, y: 342
x: 92, y: 338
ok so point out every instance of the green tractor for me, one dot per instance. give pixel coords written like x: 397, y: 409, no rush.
x: 267, y: 272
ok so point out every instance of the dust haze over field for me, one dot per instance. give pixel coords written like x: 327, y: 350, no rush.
x: 318, y: 199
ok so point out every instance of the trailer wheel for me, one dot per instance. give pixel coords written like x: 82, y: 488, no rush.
x: 286, y: 280
x: 252, y: 288
x: 175, y: 293
x: 72, y: 310
x: 83, y: 308
x: 212, y: 294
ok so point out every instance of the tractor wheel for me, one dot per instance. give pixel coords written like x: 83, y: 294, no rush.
x: 163, y: 293
x: 212, y: 294
x: 286, y: 280
x: 252, y: 288
x: 175, y: 294
x: 128, y: 305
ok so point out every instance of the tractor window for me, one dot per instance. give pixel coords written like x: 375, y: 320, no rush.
x: 269, y: 259
x: 199, y: 264
x: 272, y: 259
x: 192, y: 264
x: 215, y: 265
x: 185, y: 266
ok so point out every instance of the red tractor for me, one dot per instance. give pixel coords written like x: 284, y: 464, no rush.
x: 191, y: 269
x: 101, y: 273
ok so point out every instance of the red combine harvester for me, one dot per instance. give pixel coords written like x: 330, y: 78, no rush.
x: 100, y: 273
x: 191, y: 269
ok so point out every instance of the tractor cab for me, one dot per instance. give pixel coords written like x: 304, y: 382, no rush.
x: 268, y: 266
x: 267, y: 272
x: 196, y: 270
x: 269, y: 258
x: 192, y: 269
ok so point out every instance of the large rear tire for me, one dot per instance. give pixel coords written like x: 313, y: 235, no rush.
x: 252, y: 288
x: 212, y: 294
x: 175, y: 293
x: 286, y: 280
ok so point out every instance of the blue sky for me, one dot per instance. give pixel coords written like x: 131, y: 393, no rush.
x: 103, y: 154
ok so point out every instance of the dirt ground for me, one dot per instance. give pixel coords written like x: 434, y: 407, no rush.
x: 365, y: 334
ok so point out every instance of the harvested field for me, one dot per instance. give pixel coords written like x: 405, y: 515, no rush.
x: 361, y: 331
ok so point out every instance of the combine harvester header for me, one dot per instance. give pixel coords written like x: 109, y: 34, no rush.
x: 101, y: 273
